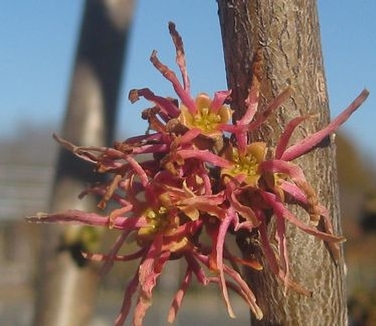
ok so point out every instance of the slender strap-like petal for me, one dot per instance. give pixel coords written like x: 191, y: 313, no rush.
x: 313, y: 140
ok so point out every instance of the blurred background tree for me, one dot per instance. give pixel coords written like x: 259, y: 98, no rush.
x: 67, y: 283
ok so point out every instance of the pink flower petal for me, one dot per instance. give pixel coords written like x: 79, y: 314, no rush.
x: 218, y: 100
x: 178, y: 299
x: 245, y: 291
x: 206, y: 156
x: 285, y: 137
x: 164, y: 104
x: 186, y: 99
x: 180, y: 55
x: 219, y: 244
x: 311, y: 141
x: 275, y: 104
x: 150, y: 269
x: 281, y: 211
x: 127, y: 301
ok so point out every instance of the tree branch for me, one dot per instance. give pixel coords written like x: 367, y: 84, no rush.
x: 288, y: 35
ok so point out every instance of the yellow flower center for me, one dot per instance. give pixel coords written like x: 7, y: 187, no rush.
x: 205, y: 119
x: 246, y: 163
x: 157, y: 220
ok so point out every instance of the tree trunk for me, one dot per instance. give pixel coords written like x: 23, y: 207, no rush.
x: 66, y: 283
x: 288, y: 34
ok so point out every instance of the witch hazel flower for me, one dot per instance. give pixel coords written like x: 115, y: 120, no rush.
x: 201, y: 177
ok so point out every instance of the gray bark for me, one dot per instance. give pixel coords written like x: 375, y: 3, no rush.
x: 66, y: 283
x: 288, y: 33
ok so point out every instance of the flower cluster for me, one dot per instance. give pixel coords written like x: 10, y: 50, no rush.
x: 197, y: 175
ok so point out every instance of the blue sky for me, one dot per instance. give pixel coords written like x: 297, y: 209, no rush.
x: 38, y: 41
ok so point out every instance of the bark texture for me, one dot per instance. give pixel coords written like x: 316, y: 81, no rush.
x: 288, y: 34
x: 66, y: 282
